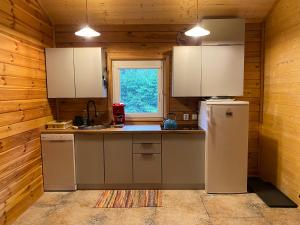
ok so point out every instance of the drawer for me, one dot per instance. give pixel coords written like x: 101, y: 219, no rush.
x: 147, y: 168
x: 147, y: 148
x: 146, y: 138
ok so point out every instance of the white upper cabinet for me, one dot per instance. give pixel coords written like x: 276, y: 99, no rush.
x: 224, y: 31
x: 222, y: 70
x: 88, y: 65
x: 60, y: 73
x: 75, y: 72
x: 186, y: 71
x: 217, y: 67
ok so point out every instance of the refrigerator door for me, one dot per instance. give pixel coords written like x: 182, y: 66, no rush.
x: 227, y: 147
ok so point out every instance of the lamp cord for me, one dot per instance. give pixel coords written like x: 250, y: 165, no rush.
x: 86, y: 13
x: 197, y: 11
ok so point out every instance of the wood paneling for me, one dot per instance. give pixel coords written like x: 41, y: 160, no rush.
x: 280, y: 132
x: 156, y: 42
x: 16, y: 14
x: 153, y: 11
x: 69, y: 108
x: 24, y: 108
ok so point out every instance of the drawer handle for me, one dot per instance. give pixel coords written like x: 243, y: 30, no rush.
x: 147, y: 154
x: 57, y: 140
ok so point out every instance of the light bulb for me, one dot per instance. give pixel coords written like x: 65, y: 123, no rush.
x: 87, y: 32
x: 197, y: 31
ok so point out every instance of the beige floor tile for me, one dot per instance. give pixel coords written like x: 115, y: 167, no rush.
x: 256, y: 202
x: 180, y: 216
x: 179, y: 208
x: 282, y: 216
x: 137, y: 216
x: 182, y: 198
x: 224, y: 206
x: 239, y: 221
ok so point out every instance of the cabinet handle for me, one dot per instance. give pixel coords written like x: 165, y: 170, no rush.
x: 56, y: 140
x: 147, y: 154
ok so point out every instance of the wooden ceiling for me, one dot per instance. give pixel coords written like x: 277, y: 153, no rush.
x: 152, y: 11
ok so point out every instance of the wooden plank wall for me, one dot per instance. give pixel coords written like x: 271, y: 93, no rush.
x: 24, y: 108
x: 157, y: 40
x: 280, y: 131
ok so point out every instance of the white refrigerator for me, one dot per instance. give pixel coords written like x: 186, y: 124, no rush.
x: 226, y: 145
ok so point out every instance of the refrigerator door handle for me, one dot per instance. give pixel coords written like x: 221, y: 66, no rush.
x: 209, y: 115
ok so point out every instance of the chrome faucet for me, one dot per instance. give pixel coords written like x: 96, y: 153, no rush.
x: 89, y: 121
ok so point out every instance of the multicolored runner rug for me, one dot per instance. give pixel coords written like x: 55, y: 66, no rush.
x: 129, y: 199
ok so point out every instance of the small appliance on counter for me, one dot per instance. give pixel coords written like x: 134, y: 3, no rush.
x: 78, y: 121
x: 170, y: 123
x: 59, y: 124
x: 119, y: 114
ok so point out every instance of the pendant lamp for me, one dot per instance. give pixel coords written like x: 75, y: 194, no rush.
x: 197, y: 30
x: 87, y: 31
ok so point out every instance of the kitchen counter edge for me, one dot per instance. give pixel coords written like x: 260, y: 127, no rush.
x: 131, y: 129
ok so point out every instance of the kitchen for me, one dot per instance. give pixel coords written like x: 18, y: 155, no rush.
x: 48, y: 73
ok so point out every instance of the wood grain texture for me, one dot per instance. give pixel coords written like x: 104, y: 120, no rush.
x: 153, y: 11
x: 17, y: 15
x: 24, y: 107
x: 156, y: 42
x: 280, y: 131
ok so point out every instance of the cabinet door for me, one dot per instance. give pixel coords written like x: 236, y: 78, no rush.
x: 223, y: 70
x: 118, y: 158
x: 183, y: 159
x: 88, y: 72
x: 60, y: 73
x: 186, y: 71
x: 224, y: 31
x: 146, y: 168
x: 89, y: 159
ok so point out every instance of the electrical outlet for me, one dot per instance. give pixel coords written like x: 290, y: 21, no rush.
x: 194, y: 116
x: 186, y: 116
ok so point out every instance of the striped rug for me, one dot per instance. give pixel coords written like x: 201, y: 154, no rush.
x: 129, y: 199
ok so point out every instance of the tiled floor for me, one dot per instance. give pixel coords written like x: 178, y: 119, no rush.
x: 179, y: 208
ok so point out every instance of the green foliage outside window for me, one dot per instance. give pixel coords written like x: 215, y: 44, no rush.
x: 139, y: 90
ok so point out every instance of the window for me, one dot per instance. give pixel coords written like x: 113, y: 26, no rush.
x: 138, y: 84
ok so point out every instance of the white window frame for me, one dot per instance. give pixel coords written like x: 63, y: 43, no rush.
x: 138, y: 64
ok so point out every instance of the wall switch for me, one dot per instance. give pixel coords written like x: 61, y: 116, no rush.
x: 186, y: 116
x: 194, y: 116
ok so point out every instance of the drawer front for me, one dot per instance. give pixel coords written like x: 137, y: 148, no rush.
x: 146, y: 138
x: 147, y: 148
x: 147, y: 168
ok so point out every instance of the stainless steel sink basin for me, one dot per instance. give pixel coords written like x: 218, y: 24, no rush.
x: 94, y: 127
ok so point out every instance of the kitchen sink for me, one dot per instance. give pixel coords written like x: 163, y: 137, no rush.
x: 94, y: 127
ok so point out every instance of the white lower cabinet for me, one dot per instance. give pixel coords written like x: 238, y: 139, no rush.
x: 118, y: 158
x: 183, y: 160
x: 89, y: 160
x: 147, y: 168
x: 152, y: 160
x: 146, y: 158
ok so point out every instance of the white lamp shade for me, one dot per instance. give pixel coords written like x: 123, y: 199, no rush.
x: 87, y: 32
x: 197, y: 31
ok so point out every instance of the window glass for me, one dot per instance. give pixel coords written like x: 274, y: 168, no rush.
x: 139, y: 89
